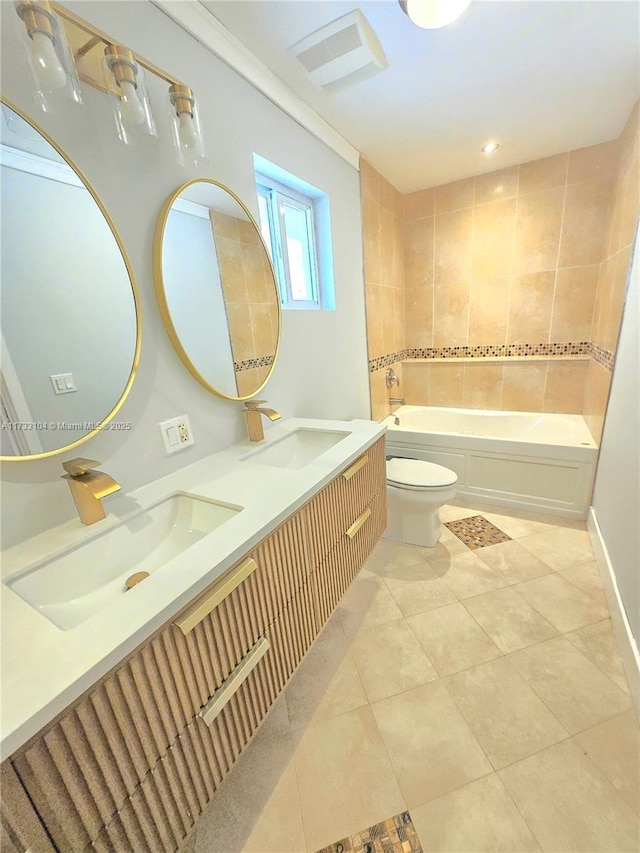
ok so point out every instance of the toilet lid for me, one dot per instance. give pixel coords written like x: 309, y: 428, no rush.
x: 419, y: 474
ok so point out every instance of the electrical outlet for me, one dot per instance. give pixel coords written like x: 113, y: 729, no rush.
x: 176, y: 434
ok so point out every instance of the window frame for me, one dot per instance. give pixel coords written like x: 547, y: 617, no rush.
x: 275, y: 194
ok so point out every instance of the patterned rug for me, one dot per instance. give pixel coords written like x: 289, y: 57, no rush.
x: 394, y: 835
x: 477, y: 532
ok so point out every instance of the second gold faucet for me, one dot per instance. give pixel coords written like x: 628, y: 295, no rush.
x: 253, y: 414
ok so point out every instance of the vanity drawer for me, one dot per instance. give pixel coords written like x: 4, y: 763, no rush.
x: 335, y: 574
x: 203, y: 647
x: 20, y: 826
x: 333, y: 509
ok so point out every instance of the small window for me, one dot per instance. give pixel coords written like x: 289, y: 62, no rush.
x: 288, y: 228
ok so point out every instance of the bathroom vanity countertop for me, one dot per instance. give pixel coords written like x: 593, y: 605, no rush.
x: 44, y: 668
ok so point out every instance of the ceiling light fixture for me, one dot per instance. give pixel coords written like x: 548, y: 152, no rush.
x: 490, y: 147
x: 433, y: 14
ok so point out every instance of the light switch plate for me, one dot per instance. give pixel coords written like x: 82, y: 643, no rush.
x: 176, y: 434
x: 63, y: 383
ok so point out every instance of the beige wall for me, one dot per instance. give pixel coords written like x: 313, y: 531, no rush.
x: 533, y: 254
x: 383, y: 244
x: 531, y: 385
x: 614, y: 270
x: 511, y: 256
x: 250, y: 297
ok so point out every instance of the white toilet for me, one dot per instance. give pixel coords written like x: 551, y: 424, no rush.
x: 416, y: 490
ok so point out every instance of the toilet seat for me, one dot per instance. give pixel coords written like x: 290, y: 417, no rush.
x: 417, y: 475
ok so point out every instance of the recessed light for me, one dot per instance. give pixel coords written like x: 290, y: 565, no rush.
x: 490, y: 147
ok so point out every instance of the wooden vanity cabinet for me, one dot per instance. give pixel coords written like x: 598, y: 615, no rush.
x: 134, y: 761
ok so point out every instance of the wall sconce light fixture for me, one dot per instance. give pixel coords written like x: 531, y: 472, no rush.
x: 433, y: 14
x: 185, y: 124
x: 126, y: 85
x: 63, y: 49
x: 48, y: 53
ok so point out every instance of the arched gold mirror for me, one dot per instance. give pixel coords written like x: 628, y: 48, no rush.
x: 70, y: 331
x: 216, y: 289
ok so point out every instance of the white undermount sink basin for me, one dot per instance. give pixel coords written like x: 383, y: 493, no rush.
x: 297, y: 449
x: 71, y: 587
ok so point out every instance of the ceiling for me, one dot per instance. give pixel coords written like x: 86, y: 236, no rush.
x: 540, y: 77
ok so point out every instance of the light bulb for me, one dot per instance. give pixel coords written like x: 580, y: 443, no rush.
x: 47, y: 65
x: 132, y: 110
x: 187, y: 131
x: 433, y: 14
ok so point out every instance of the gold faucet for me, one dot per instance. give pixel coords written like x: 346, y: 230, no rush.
x: 88, y: 488
x: 254, y: 421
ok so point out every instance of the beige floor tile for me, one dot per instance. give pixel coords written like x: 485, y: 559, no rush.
x: 614, y: 746
x: 417, y: 588
x: 510, y: 622
x: 279, y: 827
x: 452, y: 639
x: 573, y: 688
x: 598, y: 643
x: 327, y: 682
x: 506, y: 716
x: 587, y: 578
x: 479, y: 817
x: 467, y: 575
x: 366, y: 604
x: 569, y: 805
x: 513, y: 562
x: 390, y: 660
x: 447, y: 546
x: 432, y: 749
x: 389, y: 555
x: 517, y: 525
x: 561, y: 602
x: 345, y: 778
x: 560, y: 548
x: 449, y: 512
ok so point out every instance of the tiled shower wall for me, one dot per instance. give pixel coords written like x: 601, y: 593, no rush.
x: 250, y: 299
x: 510, y: 258
x: 384, y: 269
x: 614, y: 270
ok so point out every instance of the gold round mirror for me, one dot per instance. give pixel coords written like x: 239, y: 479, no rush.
x: 70, y: 332
x: 216, y: 289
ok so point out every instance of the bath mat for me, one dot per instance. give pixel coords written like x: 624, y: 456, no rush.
x: 394, y: 835
x: 477, y: 532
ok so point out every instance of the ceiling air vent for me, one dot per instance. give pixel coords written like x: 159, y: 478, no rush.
x: 342, y: 53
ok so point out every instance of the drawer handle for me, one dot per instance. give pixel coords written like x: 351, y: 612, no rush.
x: 348, y: 474
x: 357, y: 524
x: 203, y: 606
x: 233, y: 682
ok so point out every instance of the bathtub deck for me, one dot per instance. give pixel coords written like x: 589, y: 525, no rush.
x: 508, y: 459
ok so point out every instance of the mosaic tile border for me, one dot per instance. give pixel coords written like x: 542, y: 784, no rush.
x: 395, y: 835
x: 251, y: 363
x: 387, y: 360
x: 602, y: 356
x: 477, y: 532
x: 588, y: 348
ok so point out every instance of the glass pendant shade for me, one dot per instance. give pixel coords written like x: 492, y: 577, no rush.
x: 433, y: 14
x: 48, y: 53
x: 127, y: 90
x: 185, y: 126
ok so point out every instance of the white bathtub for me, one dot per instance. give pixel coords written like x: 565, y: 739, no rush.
x: 541, y: 462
